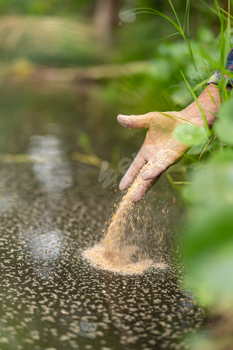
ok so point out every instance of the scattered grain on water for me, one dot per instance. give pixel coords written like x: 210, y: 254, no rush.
x: 96, y: 256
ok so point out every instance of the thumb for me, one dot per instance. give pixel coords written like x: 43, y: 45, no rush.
x: 136, y: 121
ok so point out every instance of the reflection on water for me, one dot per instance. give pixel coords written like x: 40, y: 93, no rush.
x: 52, y: 299
x: 44, y: 245
x: 55, y: 174
x: 43, y: 248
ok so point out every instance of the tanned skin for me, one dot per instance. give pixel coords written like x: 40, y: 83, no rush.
x: 160, y: 147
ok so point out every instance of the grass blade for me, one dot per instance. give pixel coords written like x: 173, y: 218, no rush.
x: 199, y: 106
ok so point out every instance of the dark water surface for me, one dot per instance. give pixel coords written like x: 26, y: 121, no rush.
x: 52, y: 208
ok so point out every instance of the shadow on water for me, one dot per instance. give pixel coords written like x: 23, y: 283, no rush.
x: 51, y: 209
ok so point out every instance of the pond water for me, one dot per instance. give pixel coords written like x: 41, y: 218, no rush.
x: 51, y: 209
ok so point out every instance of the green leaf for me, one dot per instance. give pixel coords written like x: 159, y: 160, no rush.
x: 209, y: 235
x: 190, y: 134
x: 84, y: 142
x: 213, y: 184
x: 210, y: 229
x: 196, y: 149
x: 209, y: 247
x: 224, y: 125
x: 211, y: 276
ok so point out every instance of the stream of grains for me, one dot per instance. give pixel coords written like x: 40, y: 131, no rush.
x: 115, y: 252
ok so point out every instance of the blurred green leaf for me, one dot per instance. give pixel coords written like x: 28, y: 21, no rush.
x: 190, y: 134
x: 224, y: 125
x: 213, y: 184
x: 209, y: 230
x: 209, y: 236
x: 85, y: 143
x: 201, y: 341
x: 196, y: 149
x: 209, y: 247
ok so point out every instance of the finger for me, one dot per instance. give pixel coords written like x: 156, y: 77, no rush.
x: 143, y: 188
x: 135, y: 121
x: 153, y: 173
x: 161, y: 164
x: 132, y: 172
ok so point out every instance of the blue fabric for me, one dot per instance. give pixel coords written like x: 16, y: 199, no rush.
x: 217, y: 75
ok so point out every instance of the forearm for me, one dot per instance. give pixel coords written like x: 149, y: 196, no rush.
x: 209, y: 101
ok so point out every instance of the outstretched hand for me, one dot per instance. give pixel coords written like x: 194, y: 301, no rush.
x: 160, y: 148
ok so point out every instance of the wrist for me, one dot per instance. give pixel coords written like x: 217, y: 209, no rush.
x: 209, y: 101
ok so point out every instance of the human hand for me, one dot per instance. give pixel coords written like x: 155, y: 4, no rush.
x: 159, y: 150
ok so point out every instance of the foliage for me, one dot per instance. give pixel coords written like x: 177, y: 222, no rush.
x: 40, y: 7
x: 224, y: 125
x: 50, y: 41
x: 190, y: 134
x: 209, y: 235
x: 209, y: 223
